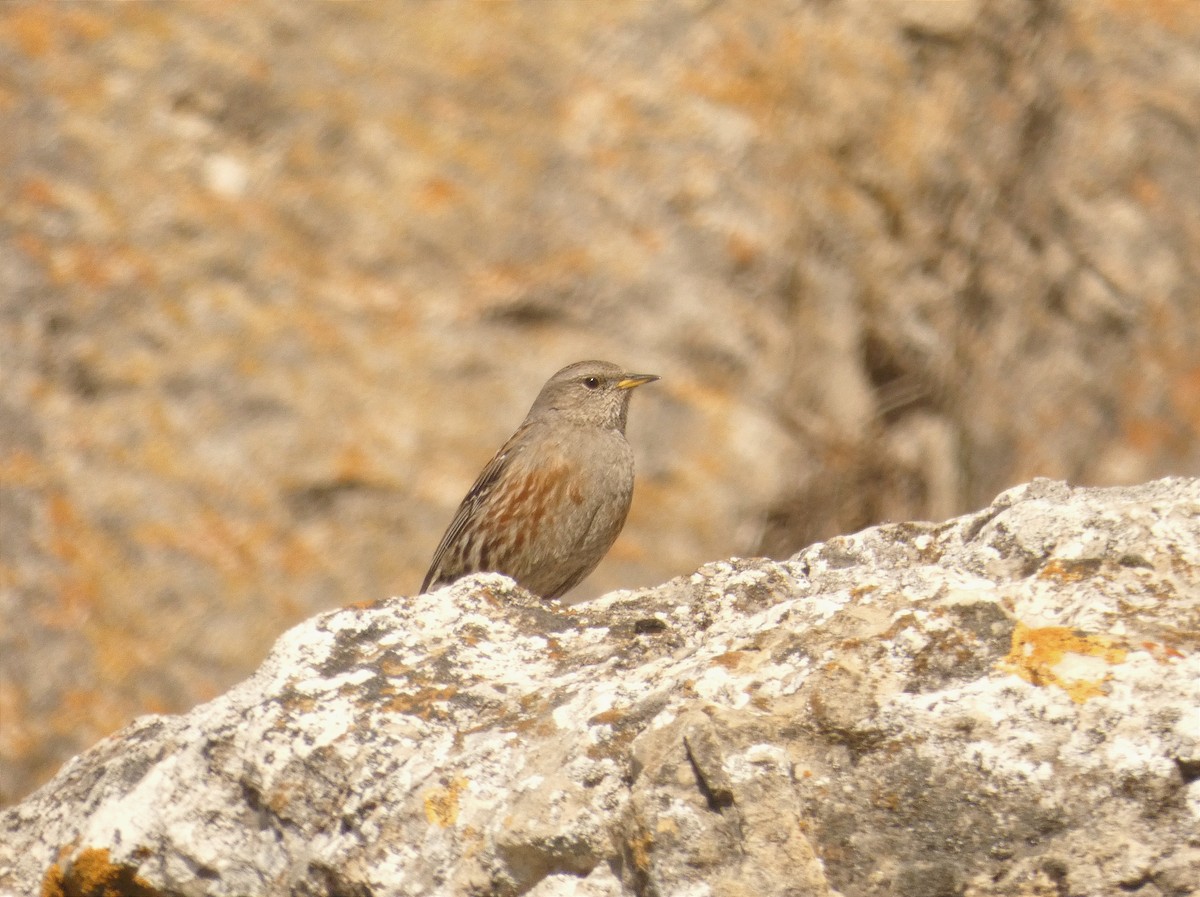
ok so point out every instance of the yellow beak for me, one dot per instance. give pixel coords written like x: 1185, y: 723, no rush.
x: 629, y: 381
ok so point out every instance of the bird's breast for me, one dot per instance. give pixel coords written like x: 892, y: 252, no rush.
x: 575, y: 479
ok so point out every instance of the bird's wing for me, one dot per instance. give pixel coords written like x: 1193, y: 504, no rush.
x: 475, y: 498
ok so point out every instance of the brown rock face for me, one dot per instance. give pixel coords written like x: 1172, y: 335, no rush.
x: 277, y: 278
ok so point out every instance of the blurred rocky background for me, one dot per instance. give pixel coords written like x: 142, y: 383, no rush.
x: 278, y: 278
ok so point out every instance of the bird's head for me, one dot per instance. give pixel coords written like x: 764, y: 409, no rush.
x: 592, y: 393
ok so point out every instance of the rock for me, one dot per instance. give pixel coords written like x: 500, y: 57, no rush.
x: 280, y: 277
x: 1006, y: 703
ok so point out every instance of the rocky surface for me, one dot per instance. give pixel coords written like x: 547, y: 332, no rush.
x: 1007, y: 703
x: 279, y: 277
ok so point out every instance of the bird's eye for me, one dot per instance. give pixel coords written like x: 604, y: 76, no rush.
x: 591, y: 382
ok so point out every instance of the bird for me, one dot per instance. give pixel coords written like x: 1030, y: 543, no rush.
x: 546, y: 509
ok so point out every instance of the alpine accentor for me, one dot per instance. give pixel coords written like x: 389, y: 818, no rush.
x: 548, y: 507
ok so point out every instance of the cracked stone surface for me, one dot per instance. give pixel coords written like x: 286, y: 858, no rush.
x: 1005, y: 703
x: 279, y: 278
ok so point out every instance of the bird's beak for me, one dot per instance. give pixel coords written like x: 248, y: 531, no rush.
x: 629, y: 381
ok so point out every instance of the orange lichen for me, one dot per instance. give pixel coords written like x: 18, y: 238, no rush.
x: 1064, y: 570
x: 441, y: 804
x: 1059, y: 655
x: 92, y: 873
x: 607, y: 717
x: 436, y: 193
x: 730, y: 659
x: 425, y: 703
x: 639, y: 848
x: 1162, y: 652
x: 1174, y: 15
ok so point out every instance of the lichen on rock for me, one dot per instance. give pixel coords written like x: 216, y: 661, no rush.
x: 1008, y: 702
